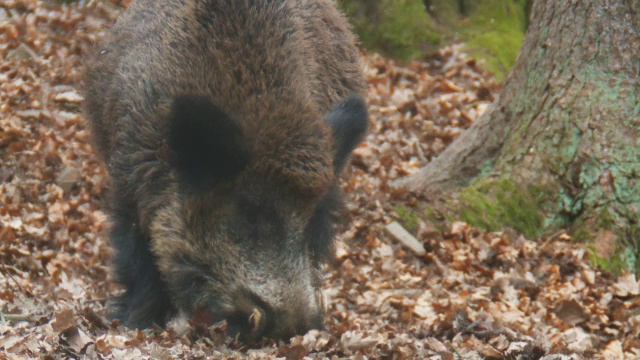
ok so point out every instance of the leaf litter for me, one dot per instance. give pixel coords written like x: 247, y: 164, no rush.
x: 470, y: 295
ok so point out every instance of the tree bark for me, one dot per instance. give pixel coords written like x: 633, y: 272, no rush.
x: 568, y: 119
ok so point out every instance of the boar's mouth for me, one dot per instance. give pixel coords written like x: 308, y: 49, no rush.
x: 252, y: 320
x: 248, y: 329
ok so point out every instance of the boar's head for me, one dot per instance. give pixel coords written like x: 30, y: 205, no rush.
x: 248, y: 221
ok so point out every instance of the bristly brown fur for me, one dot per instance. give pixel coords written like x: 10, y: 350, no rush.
x: 224, y: 125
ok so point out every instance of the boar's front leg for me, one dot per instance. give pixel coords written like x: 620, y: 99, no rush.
x: 145, y: 301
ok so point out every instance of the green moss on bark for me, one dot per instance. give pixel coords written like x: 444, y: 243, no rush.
x: 492, y: 204
x: 620, y: 260
x: 611, y: 247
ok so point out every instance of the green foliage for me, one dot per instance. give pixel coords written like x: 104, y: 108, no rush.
x: 495, y: 203
x: 408, y: 219
x: 404, y: 29
x: 496, y: 34
x: 399, y: 28
x: 432, y: 214
x: 499, y: 51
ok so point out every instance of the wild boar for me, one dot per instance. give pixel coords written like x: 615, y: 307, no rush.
x: 224, y: 125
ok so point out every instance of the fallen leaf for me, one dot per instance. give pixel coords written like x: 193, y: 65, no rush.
x: 626, y: 286
x: 64, y: 319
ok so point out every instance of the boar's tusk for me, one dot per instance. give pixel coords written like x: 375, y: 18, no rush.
x: 322, y: 300
x: 255, y: 320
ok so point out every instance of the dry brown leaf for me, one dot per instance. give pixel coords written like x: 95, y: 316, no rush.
x: 76, y: 339
x: 571, y: 312
x: 626, y: 286
x: 296, y: 352
x: 64, y: 319
x: 489, y: 352
x: 353, y: 341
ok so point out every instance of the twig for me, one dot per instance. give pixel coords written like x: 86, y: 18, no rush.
x: 16, y: 281
x: 100, y: 299
x: 15, y: 317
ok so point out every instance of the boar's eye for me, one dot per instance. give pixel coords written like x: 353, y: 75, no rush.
x: 206, y: 145
x: 251, y: 213
x: 349, y: 123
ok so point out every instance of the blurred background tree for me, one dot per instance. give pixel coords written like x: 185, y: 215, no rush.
x: 491, y: 30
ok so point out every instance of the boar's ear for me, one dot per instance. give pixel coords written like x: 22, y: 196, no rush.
x: 349, y: 123
x: 207, y: 146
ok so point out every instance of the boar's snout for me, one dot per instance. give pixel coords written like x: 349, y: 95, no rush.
x: 254, y: 319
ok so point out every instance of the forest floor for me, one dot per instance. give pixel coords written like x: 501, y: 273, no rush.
x: 473, y: 295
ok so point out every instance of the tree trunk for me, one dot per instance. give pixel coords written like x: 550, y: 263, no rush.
x: 564, y: 130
